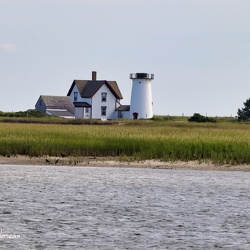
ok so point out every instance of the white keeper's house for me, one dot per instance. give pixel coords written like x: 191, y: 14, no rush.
x: 100, y: 99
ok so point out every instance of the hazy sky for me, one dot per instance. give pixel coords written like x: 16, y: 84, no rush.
x: 199, y: 50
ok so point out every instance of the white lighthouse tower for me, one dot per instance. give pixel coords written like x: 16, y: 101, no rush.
x: 141, y: 105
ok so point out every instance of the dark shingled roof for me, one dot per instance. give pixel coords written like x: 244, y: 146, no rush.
x: 57, y: 102
x: 87, y: 89
x: 123, y: 108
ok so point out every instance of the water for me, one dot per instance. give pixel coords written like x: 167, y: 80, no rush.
x: 123, y: 208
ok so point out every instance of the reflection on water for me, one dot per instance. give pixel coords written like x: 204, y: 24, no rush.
x: 123, y: 208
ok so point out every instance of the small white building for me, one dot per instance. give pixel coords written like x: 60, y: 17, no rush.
x: 98, y: 99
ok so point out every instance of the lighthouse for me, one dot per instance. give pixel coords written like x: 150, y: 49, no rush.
x: 141, y: 104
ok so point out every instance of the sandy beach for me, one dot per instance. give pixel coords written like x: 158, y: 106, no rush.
x: 115, y: 162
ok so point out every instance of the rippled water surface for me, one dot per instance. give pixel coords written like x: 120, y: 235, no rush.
x: 123, y: 208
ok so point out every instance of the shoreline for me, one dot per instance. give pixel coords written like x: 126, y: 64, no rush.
x: 115, y: 162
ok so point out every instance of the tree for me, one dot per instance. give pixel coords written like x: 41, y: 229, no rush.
x: 244, y: 113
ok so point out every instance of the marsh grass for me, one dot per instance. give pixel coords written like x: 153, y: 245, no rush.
x: 171, y: 141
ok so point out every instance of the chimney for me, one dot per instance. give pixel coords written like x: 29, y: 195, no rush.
x: 93, y: 75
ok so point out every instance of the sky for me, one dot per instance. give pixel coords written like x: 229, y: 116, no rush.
x: 198, y: 51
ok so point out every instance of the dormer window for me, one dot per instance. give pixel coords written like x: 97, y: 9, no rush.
x: 104, y: 96
x: 75, y: 96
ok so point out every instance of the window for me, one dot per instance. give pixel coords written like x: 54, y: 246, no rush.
x: 103, y: 110
x: 104, y: 96
x: 86, y: 110
x: 75, y: 96
x: 40, y: 102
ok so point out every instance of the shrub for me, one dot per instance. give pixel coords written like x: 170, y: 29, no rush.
x: 200, y: 118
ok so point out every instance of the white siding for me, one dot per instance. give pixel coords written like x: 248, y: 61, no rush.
x: 72, y: 94
x: 110, y: 104
x: 126, y: 114
x: 79, y: 112
x: 96, y: 103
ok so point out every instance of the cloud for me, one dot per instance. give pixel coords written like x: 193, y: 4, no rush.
x: 8, y: 48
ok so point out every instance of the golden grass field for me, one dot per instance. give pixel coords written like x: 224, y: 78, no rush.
x: 139, y: 140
